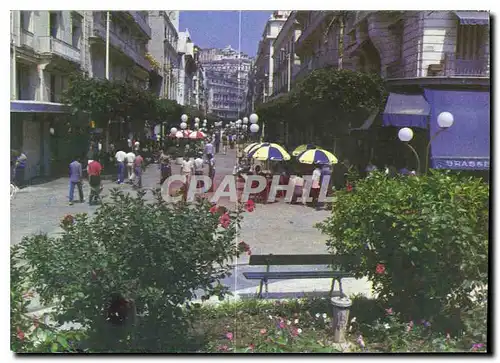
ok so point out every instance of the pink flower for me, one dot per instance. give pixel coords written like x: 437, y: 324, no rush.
x: 20, y: 333
x: 294, y: 332
x: 380, y: 269
x: 410, y: 326
x: 223, y: 348
x: 250, y: 205
x: 251, y: 347
x: 349, y: 188
x: 389, y: 311
x: 225, y: 220
x: 213, y: 210
x: 229, y: 335
x: 477, y: 346
x: 263, y: 331
x: 281, y: 324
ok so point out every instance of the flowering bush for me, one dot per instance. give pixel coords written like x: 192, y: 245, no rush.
x: 422, y: 241
x: 126, y: 273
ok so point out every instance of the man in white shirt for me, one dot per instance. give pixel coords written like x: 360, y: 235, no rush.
x: 130, y: 166
x: 209, y: 149
x: 316, y: 186
x: 198, y: 166
x: 121, y: 157
x: 187, y: 169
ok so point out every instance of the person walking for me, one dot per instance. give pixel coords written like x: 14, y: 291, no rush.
x: 138, y: 169
x: 19, y: 168
x: 121, y: 157
x: 75, y: 179
x: 209, y: 149
x: 211, y: 171
x: 165, y: 168
x: 94, y: 169
x: 224, y: 144
x: 217, y: 141
x: 198, y: 168
x: 187, y: 170
x: 316, y: 186
x: 130, y: 166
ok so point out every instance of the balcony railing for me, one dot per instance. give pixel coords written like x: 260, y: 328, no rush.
x: 60, y: 48
x: 454, y: 66
x: 316, y: 19
x: 119, y: 43
x: 142, y: 22
x: 27, y: 39
x: 395, y: 70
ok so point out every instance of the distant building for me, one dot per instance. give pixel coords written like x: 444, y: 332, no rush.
x: 227, y: 79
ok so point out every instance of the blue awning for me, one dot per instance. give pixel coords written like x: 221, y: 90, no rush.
x: 473, y: 17
x: 406, y: 111
x: 37, y: 106
x: 466, y: 144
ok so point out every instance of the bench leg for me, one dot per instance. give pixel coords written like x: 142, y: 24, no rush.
x: 260, y: 289
x: 333, y: 286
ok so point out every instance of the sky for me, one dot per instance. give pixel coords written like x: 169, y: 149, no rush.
x: 218, y: 29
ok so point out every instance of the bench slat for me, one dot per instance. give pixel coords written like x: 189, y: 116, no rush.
x: 283, y: 260
x: 295, y: 275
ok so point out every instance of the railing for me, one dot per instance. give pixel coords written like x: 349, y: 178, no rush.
x: 142, y: 22
x: 316, y: 19
x: 27, y: 39
x: 56, y: 46
x: 117, y: 42
x: 457, y: 67
x: 395, y: 70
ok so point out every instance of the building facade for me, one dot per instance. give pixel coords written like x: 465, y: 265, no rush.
x: 432, y: 61
x: 187, y: 70
x: 163, y: 48
x: 46, y: 47
x: 264, y: 64
x: 227, y: 75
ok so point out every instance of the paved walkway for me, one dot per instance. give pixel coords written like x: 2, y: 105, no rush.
x: 277, y: 228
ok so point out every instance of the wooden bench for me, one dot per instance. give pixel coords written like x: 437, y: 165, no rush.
x: 289, y: 260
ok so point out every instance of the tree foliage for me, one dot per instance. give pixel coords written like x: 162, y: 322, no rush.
x: 126, y: 273
x: 422, y: 241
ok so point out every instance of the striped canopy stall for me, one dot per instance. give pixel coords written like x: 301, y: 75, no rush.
x: 317, y: 156
x: 300, y: 149
x: 250, y: 147
x: 269, y: 151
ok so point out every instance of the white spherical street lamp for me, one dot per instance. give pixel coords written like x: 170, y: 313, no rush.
x: 183, y: 125
x: 204, y: 122
x: 245, y: 127
x: 445, y: 120
x: 173, y: 130
x: 405, y: 134
x: 184, y: 118
x: 254, y: 118
x: 196, y: 120
x: 254, y: 128
x: 196, y: 125
x: 245, y: 120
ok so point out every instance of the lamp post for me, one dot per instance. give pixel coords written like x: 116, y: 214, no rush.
x: 405, y: 135
x: 445, y: 121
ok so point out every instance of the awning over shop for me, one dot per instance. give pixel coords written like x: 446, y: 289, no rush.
x: 406, y: 111
x: 466, y: 144
x: 37, y: 106
x: 473, y: 17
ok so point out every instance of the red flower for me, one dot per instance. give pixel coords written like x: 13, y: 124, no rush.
x: 229, y: 335
x: 20, y: 334
x: 294, y: 332
x: 251, y: 347
x: 380, y: 269
x: 250, y: 205
x: 225, y: 220
x: 349, y: 188
x: 213, y: 210
x: 243, y: 247
x: 389, y: 311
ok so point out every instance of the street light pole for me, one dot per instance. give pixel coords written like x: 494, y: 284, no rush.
x: 107, y: 44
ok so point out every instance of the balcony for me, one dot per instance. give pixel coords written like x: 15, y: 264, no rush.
x: 121, y: 45
x: 27, y: 39
x: 456, y: 67
x: 395, y: 70
x: 58, y: 47
x: 317, y: 17
x: 142, y: 22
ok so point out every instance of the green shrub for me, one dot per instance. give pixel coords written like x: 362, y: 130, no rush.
x: 128, y: 273
x: 422, y: 241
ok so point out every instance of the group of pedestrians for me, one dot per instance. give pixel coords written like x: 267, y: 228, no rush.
x: 133, y: 164
x: 94, y: 169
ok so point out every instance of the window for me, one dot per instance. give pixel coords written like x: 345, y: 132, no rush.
x: 25, y: 20
x: 76, y: 30
x: 54, y: 24
x: 470, y: 40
